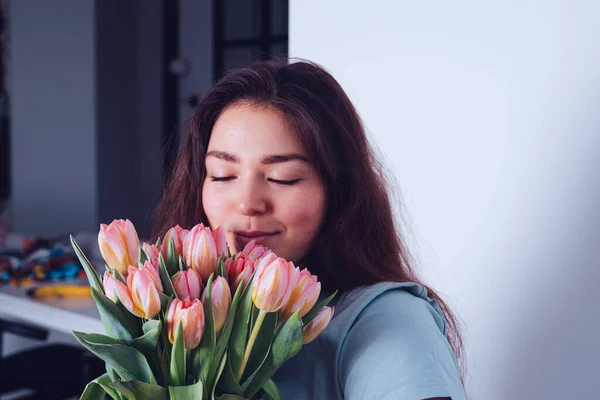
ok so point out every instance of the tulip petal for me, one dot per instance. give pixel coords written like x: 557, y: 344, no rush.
x: 130, y: 237
x: 220, y: 241
x: 317, y: 324
x: 112, y: 251
x: 152, y: 303
x: 272, y: 287
x: 125, y: 297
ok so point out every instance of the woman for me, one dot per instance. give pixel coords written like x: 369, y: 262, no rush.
x: 276, y: 153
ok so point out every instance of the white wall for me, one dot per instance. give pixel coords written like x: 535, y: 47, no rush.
x: 488, y: 115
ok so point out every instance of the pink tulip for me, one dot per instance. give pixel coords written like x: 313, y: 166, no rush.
x: 191, y: 315
x: 109, y: 286
x: 151, y: 250
x: 255, y: 252
x: 187, y: 284
x: 220, y: 241
x: 220, y: 297
x: 304, y: 296
x: 200, y: 251
x: 273, y: 284
x: 140, y: 295
x: 239, y: 270
x: 119, y: 244
x: 317, y: 324
x: 153, y: 269
x: 179, y: 234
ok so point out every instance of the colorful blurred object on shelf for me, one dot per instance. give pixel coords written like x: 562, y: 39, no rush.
x: 39, y: 260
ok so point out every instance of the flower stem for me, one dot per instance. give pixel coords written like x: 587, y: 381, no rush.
x: 253, y: 335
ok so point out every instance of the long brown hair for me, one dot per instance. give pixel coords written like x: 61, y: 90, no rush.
x: 358, y: 243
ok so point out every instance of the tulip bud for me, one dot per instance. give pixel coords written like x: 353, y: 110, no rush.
x: 220, y: 241
x: 273, y: 284
x: 109, y: 286
x: 178, y: 234
x: 220, y: 296
x: 153, y: 269
x: 239, y: 270
x: 119, y: 244
x: 255, y: 252
x: 304, y: 295
x: 191, y: 315
x: 151, y: 250
x: 140, y: 295
x: 317, y: 325
x: 265, y: 261
x: 200, y: 251
x: 187, y: 284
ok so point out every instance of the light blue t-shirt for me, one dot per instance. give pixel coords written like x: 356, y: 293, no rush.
x: 385, y: 342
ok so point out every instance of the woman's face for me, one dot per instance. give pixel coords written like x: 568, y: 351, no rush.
x: 260, y: 184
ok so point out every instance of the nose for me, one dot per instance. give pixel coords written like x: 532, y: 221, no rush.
x: 252, y: 201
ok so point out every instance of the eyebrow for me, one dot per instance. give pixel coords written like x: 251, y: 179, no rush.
x: 269, y: 159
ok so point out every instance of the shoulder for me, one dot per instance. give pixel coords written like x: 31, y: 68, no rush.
x: 406, y: 301
x: 399, y: 331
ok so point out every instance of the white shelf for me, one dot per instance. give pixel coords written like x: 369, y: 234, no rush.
x: 63, y: 315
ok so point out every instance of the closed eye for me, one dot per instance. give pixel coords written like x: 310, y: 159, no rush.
x: 275, y: 181
x: 285, y: 183
x: 221, y: 178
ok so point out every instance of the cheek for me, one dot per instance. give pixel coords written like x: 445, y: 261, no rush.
x: 304, y: 213
x: 213, y: 208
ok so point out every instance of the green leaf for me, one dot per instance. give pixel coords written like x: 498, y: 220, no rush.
x: 239, y: 335
x: 223, y: 341
x: 231, y: 397
x: 287, y: 343
x: 189, y: 392
x: 165, y: 355
x: 143, y: 256
x: 182, y: 266
x: 95, y: 391
x: 272, y: 390
x: 117, y: 321
x: 178, y: 358
x: 90, y: 271
x: 117, y: 275
x: 112, y: 374
x: 227, y: 383
x: 165, y: 277
x: 172, y: 264
x: 165, y: 302
x: 105, y: 380
x: 262, y: 345
x: 196, y: 363
x: 134, y: 390
x: 126, y: 361
x: 221, y: 270
x: 148, y: 345
x: 219, y: 372
x: 158, y: 242
x: 208, y: 343
x: 316, y: 308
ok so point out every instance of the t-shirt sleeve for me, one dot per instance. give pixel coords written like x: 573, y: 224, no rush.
x: 395, y: 350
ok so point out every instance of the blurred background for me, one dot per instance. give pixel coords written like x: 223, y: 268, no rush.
x: 92, y: 96
x: 486, y: 114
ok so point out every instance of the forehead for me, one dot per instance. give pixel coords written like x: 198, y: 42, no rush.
x: 253, y: 131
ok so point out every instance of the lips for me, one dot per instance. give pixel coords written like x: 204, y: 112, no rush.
x: 261, y: 237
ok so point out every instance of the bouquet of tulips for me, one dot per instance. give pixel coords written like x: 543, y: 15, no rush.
x: 185, y: 319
